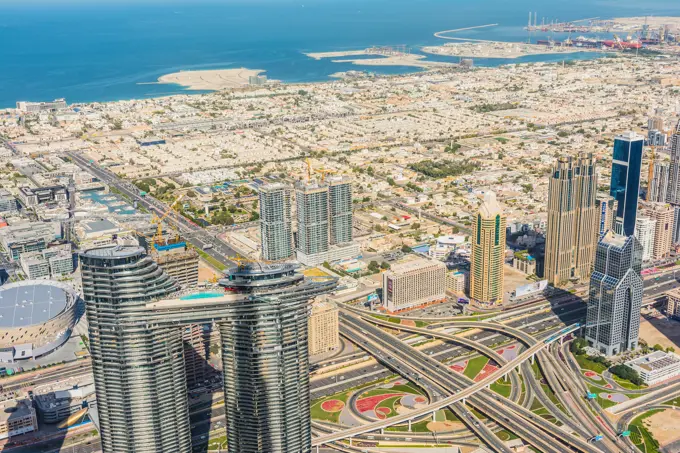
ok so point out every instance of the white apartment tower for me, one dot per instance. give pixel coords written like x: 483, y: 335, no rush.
x: 276, y: 222
x: 645, y: 228
x: 340, y: 210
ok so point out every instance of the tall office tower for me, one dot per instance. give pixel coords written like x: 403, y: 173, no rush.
x: 663, y: 214
x: 606, y: 208
x: 674, y: 186
x: 571, y: 235
x: 136, y: 345
x: 488, y: 252
x: 615, y: 295
x: 625, y: 182
x: 657, y: 188
x: 340, y: 209
x: 676, y: 224
x: 138, y: 366
x: 275, y: 222
x: 311, y: 200
x: 645, y: 228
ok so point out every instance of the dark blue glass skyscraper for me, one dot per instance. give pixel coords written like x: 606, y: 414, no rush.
x: 625, y: 183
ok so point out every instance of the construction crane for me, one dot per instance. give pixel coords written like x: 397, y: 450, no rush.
x: 159, y: 220
x: 322, y: 171
x: 650, y: 174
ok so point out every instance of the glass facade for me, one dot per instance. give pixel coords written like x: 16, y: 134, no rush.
x: 625, y: 181
x: 615, y: 295
x: 138, y: 356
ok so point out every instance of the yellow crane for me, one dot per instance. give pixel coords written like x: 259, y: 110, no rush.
x: 322, y: 171
x: 159, y: 220
x: 650, y: 174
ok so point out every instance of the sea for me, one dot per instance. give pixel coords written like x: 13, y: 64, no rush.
x: 108, y: 50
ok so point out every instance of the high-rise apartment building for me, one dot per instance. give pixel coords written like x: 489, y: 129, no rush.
x: 136, y: 323
x: 615, y: 295
x: 572, y: 220
x: 674, y: 186
x: 488, y: 252
x: 625, y: 180
x: 645, y: 228
x: 663, y: 214
x: 414, y: 283
x: 606, y: 208
x: 340, y: 209
x: 657, y: 188
x: 276, y: 222
x: 311, y: 201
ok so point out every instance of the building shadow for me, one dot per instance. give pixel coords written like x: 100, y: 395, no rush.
x: 569, y: 308
x: 204, y: 384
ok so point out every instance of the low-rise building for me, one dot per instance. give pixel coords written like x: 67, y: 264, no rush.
x: 324, y: 334
x: 656, y: 367
x: 56, y: 406
x: 7, y: 202
x: 17, y: 417
x: 53, y: 262
x: 32, y: 197
x: 414, y: 283
x: 27, y: 237
x: 457, y: 281
x: 673, y: 303
x: 524, y: 262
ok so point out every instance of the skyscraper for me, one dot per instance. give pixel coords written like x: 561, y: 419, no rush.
x: 275, y: 222
x: 625, y: 181
x: 663, y: 214
x: 311, y: 200
x: 606, y: 208
x: 674, y: 186
x: 645, y: 228
x: 615, y: 295
x: 572, y: 220
x: 488, y: 252
x: 136, y: 325
x: 657, y: 188
x: 340, y: 210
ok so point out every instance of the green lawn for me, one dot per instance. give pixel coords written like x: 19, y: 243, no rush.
x: 643, y: 439
x: 587, y: 364
x: 627, y: 384
x: 502, y: 388
x: 420, y: 427
x: 407, y: 388
x: 675, y: 402
x: 391, y: 404
x: 506, y: 435
x: 210, y: 260
x: 319, y: 414
x: 474, y: 366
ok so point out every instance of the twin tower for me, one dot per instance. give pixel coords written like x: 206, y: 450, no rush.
x: 136, y: 318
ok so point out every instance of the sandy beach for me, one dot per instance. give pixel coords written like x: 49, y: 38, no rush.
x: 498, y: 50
x: 218, y: 79
x: 384, y: 57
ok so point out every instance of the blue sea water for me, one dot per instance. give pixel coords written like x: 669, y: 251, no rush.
x: 101, y: 50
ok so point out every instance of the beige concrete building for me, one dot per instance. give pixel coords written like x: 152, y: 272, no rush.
x: 572, y: 220
x: 663, y: 213
x: 457, y: 282
x: 524, y: 262
x: 488, y: 252
x: 414, y: 283
x: 17, y: 417
x: 324, y: 334
x: 673, y: 303
x: 177, y: 260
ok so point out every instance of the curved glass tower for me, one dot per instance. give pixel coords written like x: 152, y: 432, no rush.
x: 136, y: 345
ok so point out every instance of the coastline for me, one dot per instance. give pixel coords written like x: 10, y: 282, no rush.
x: 509, y: 50
x: 211, y: 80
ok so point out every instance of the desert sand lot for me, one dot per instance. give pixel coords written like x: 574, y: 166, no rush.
x: 218, y: 79
x: 664, y: 426
x: 660, y: 331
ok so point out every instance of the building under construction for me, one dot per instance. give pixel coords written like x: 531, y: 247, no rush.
x: 177, y: 260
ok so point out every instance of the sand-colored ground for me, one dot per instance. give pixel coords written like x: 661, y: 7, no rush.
x: 442, y: 427
x: 218, y: 79
x: 498, y: 50
x: 414, y: 60
x: 660, y: 331
x: 664, y: 426
x: 205, y: 272
x: 383, y: 58
x: 651, y: 21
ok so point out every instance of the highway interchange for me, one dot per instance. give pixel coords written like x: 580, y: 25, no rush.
x: 379, y: 354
